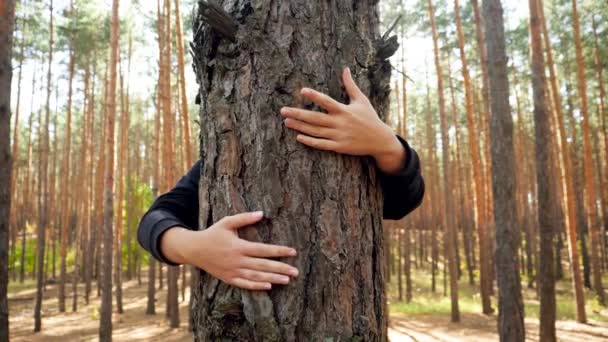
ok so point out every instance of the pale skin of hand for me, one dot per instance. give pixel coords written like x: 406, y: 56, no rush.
x: 353, y: 129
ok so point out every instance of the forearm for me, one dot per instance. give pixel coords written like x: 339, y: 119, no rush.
x: 173, y: 244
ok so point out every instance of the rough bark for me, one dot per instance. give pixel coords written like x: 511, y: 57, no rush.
x: 510, y: 303
x: 312, y: 200
x: 7, y: 18
x: 547, y: 194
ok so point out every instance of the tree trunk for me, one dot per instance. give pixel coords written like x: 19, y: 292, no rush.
x: 105, y: 323
x: 65, y: 192
x: 447, y: 213
x: 590, y: 197
x: 14, y: 214
x: 252, y: 163
x: 27, y: 192
x: 7, y: 18
x: 482, y: 228
x: 182, y: 90
x: 547, y: 194
x: 43, y: 187
x: 510, y: 303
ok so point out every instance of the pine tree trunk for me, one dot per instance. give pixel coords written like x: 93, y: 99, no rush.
x: 105, y: 323
x: 252, y: 163
x: 590, y: 197
x: 485, y: 282
x: 27, y: 193
x: 65, y: 192
x: 43, y: 187
x: 7, y: 18
x: 14, y: 214
x: 547, y: 194
x: 447, y: 213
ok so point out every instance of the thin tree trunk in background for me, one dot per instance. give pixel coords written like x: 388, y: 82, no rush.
x: 590, y: 197
x: 55, y: 214
x: 28, y: 192
x: 182, y: 90
x: 567, y: 174
x: 82, y: 206
x: 408, y: 223
x: 15, y: 214
x: 604, y: 131
x: 482, y: 227
x: 447, y: 214
x: 89, y: 179
x: 65, y: 192
x: 105, y: 324
x: 547, y: 194
x: 484, y: 173
x: 43, y: 185
x: 7, y: 19
x: 433, y: 205
x: 122, y: 139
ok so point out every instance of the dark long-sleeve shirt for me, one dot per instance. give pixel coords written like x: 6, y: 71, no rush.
x: 402, y: 193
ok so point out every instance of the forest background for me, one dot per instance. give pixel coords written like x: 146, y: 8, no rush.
x: 61, y: 54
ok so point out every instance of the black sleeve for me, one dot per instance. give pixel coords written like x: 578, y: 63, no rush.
x: 403, y: 192
x: 178, y: 207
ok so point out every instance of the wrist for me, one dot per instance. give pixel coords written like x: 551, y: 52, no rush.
x: 391, y: 156
x: 175, y: 245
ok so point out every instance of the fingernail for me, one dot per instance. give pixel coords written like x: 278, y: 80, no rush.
x: 268, y: 286
x: 293, y: 252
x: 285, y: 280
x: 284, y: 110
x: 305, y: 90
x: 258, y: 214
x: 294, y: 272
x: 348, y: 70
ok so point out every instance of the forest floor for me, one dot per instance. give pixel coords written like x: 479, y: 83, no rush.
x: 408, y: 322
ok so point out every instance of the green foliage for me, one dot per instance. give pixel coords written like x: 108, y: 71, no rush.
x: 424, y: 302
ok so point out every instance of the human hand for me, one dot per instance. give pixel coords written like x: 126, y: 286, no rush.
x: 353, y: 129
x: 222, y: 253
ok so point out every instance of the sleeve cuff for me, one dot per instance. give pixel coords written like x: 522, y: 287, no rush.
x: 158, y: 222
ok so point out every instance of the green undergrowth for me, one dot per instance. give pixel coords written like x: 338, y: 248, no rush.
x: 426, y: 302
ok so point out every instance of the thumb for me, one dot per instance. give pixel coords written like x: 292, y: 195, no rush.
x: 241, y: 220
x: 352, y: 89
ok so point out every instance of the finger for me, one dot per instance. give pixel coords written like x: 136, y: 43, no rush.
x: 242, y: 220
x: 262, y: 250
x: 323, y: 100
x: 271, y: 266
x: 264, y: 277
x: 309, y: 116
x: 250, y: 285
x: 301, y: 126
x: 319, y: 144
x: 352, y: 89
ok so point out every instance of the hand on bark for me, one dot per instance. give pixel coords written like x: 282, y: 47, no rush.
x: 222, y: 253
x: 353, y: 129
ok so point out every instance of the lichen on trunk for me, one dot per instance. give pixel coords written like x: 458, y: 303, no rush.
x: 326, y: 205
